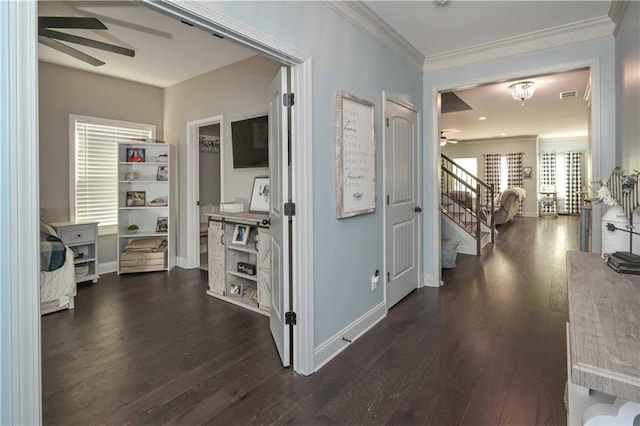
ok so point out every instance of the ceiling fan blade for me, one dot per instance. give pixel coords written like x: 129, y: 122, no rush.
x: 70, y: 51
x: 70, y: 22
x: 87, y: 42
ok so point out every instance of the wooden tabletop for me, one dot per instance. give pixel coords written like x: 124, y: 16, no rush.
x: 604, y: 326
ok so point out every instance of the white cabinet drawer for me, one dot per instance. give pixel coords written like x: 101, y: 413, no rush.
x: 78, y: 234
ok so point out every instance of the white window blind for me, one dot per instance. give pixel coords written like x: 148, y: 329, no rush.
x: 95, y: 181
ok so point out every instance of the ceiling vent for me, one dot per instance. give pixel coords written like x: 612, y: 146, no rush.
x: 568, y: 94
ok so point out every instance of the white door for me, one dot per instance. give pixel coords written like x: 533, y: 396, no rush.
x: 402, y: 226
x: 279, y: 181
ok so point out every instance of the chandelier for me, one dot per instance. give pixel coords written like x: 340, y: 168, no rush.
x: 522, y: 91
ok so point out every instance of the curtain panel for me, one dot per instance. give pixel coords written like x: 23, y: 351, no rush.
x: 573, y: 182
x: 547, y: 175
x: 491, y: 174
x: 514, y: 173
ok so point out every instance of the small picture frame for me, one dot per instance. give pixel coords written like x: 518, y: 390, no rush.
x: 163, y: 173
x: 241, y: 235
x: 135, y: 155
x: 135, y: 198
x: 162, y: 224
x: 260, y: 195
x: 236, y: 290
x: 254, y: 296
x: 527, y: 172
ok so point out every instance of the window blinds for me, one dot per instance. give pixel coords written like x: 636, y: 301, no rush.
x: 96, y: 170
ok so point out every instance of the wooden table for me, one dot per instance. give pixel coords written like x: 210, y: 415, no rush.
x: 604, y: 327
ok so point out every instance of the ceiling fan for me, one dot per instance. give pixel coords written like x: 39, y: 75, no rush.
x: 50, y: 37
x: 444, y: 140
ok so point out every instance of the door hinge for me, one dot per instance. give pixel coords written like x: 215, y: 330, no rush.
x: 288, y: 99
x: 387, y: 121
x: 388, y: 277
x: 289, y: 209
x: 387, y: 200
x: 290, y: 318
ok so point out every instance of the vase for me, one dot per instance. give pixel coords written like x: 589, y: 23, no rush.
x: 617, y: 240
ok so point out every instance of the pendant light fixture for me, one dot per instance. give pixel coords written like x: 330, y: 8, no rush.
x: 522, y: 91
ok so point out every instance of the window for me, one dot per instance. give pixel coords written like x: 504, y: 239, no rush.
x: 471, y: 166
x: 94, y: 167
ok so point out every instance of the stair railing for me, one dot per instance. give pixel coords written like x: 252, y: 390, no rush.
x: 473, y: 197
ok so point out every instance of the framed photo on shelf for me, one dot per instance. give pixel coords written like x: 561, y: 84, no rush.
x: 163, y: 173
x: 162, y: 224
x: 260, y: 195
x: 236, y: 290
x: 135, y: 155
x: 240, y: 235
x: 527, y: 172
x: 135, y: 198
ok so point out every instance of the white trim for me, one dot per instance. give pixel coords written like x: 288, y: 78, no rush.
x: 529, y: 214
x: 302, y: 165
x: 430, y: 281
x: 23, y: 214
x: 562, y: 35
x: 364, y: 18
x: 302, y: 231
x: 182, y: 262
x: 107, y: 267
x: 334, y: 345
x: 192, y: 259
x: 202, y: 16
x: 616, y: 13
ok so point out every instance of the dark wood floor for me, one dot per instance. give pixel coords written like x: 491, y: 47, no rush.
x: 487, y: 348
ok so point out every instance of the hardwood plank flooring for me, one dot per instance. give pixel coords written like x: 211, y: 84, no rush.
x: 488, y: 348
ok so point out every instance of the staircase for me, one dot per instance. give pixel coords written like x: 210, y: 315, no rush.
x: 466, y: 203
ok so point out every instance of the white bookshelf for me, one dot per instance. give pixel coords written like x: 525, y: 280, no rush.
x: 136, y: 196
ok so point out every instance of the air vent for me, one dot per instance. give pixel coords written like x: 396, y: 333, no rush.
x: 569, y: 94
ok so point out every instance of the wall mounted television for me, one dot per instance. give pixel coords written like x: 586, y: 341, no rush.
x: 250, y: 142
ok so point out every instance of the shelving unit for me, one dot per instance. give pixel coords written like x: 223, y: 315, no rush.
x: 82, y: 239
x: 139, y: 185
x: 224, y: 257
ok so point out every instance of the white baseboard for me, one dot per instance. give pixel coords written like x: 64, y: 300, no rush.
x: 107, y: 267
x: 334, y: 345
x: 529, y: 214
x: 431, y: 281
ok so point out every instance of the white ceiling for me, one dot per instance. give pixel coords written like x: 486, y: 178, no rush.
x: 168, y: 52
x: 545, y: 114
x: 434, y: 29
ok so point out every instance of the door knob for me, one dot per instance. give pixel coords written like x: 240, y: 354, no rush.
x: 417, y: 209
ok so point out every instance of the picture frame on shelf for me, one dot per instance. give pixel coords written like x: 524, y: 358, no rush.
x: 240, y: 235
x: 163, y: 173
x: 254, y: 296
x: 236, y: 290
x: 260, y: 195
x: 135, y: 198
x: 162, y: 224
x: 135, y: 155
x: 527, y: 172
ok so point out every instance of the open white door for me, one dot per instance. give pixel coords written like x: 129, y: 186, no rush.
x: 279, y: 181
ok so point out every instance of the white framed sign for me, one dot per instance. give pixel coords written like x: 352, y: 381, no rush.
x: 355, y: 156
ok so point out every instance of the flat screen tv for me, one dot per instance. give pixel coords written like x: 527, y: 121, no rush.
x: 250, y: 142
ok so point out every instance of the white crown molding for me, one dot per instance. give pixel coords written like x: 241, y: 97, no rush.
x: 616, y: 13
x: 563, y: 35
x: 364, y: 18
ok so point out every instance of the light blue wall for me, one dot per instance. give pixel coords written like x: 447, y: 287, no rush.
x: 628, y: 89
x: 516, y: 66
x: 346, y: 251
x: 5, y: 282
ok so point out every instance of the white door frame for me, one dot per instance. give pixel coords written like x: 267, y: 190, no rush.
x: 594, y: 68
x: 192, y: 259
x: 21, y: 399
x: 409, y: 105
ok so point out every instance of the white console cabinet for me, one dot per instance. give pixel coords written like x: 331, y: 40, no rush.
x: 225, y: 255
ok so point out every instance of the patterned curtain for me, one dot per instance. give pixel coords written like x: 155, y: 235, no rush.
x: 547, y: 174
x: 573, y: 176
x: 514, y: 172
x: 491, y: 174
